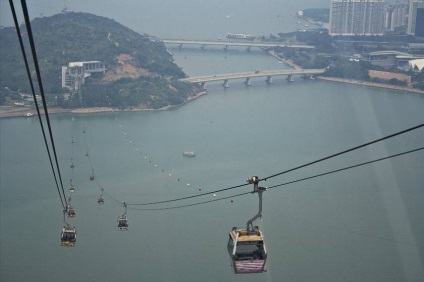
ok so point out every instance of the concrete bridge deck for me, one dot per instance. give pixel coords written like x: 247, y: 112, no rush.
x: 226, y: 44
x: 248, y: 75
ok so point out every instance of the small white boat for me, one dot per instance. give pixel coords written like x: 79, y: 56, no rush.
x: 28, y: 115
x: 189, y: 154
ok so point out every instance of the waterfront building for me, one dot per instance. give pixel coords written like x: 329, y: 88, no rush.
x: 414, y: 5
x: 356, y: 17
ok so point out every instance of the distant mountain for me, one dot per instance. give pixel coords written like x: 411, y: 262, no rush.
x: 139, y: 71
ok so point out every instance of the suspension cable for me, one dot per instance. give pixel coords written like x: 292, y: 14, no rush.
x: 298, y: 167
x: 12, y: 7
x: 349, y: 167
x: 190, y: 197
x: 346, y: 151
x: 283, y: 184
x: 40, y: 84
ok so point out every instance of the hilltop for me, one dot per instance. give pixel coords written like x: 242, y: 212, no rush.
x: 139, y: 71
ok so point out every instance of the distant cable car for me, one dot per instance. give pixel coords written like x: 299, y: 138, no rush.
x: 246, y: 247
x: 68, y: 237
x: 71, y: 188
x: 92, y: 176
x: 71, y: 211
x: 122, y: 220
x: 101, y: 199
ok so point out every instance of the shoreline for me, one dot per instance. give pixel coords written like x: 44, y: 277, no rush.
x: 370, y: 84
x: 11, y: 111
x: 290, y: 63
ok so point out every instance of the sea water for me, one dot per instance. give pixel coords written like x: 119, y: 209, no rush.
x: 362, y: 224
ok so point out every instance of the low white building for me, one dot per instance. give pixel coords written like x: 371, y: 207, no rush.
x: 417, y: 64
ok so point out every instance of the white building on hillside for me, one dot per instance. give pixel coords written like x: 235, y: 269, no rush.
x: 74, y: 75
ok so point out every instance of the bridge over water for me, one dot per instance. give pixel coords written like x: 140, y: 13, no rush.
x: 226, y: 44
x: 308, y: 73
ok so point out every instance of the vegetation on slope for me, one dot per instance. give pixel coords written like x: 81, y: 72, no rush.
x: 74, y: 37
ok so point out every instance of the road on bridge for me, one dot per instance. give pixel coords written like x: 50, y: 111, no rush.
x: 232, y: 43
x: 245, y: 75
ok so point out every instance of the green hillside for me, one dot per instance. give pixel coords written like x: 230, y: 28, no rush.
x: 147, y: 76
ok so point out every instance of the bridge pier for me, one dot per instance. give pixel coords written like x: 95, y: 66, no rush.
x: 203, y: 47
x: 248, y: 81
x: 225, y: 84
x: 226, y: 48
x: 269, y: 79
x: 180, y: 46
x: 248, y: 48
x: 203, y: 85
x: 290, y: 78
x: 308, y: 76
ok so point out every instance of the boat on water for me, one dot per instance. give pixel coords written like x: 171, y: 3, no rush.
x: 28, y: 115
x: 189, y: 154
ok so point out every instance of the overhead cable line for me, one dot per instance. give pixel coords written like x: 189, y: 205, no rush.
x: 12, y: 7
x: 349, y: 167
x: 191, y: 205
x: 283, y: 184
x: 40, y: 84
x: 346, y: 151
x: 190, y: 197
x: 298, y: 167
x: 140, y: 150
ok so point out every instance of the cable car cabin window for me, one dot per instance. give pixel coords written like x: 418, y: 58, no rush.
x: 250, y: 250
x: 69, y: 236
x: 122, y: 223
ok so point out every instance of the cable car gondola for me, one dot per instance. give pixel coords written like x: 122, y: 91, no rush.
x: 71, y: 188
x: 246, y: 247
x: 92, y: 176
x: 123, y: 221
x: 70, y: 210
x: 101, y: 199
x: 68, y: 237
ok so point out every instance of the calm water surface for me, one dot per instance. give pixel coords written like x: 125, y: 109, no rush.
x: 363, y: 224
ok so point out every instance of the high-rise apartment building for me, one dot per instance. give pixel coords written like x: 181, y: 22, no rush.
x: 419, y: 26
x: 395, y: 15
x: 357, y: 17
x: 412, y: 20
